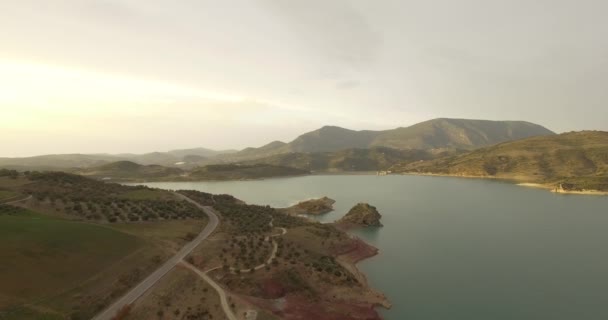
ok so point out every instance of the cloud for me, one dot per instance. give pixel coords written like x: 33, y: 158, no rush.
x: 331, y: 30
x: 348, y: 84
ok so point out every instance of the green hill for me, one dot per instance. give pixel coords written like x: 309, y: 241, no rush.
x: 436, y: 134
x: 578, y: 160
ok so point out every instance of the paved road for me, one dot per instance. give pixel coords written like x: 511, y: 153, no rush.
x: 223, y: 299
x: 152, y: 279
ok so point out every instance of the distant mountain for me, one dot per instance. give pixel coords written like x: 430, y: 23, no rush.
x: 201, y: 152
x: 458, y: 133
x: 372, y: 159
x: 127, y: 170
x: 330, y: 138
x: 180, y: 158
x: 274, y: 147
x: 577, y: 158
x: 436, y: 134
x: 57, y: 161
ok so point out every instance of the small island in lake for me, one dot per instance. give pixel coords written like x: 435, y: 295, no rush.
x: 362, y: 214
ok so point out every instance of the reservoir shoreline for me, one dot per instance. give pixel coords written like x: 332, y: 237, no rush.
x: 503, y: 239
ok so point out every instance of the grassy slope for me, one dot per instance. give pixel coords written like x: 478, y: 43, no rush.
x: 42, y: 256
x: 59, y: 268
x: 580, y: 158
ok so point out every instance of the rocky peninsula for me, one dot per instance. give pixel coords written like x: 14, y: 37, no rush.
x: 362, y: 214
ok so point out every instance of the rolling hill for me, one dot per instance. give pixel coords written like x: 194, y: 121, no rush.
x: 185, y: 158
x: 127, y: 170
x: 577, y: 160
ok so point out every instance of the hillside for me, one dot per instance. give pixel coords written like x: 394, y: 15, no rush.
x: 127, y: 170
x: 436, y: 134
x: 458, y: 133
x: 243, y: 172
x: 373, y: 159
x: 577, y: 159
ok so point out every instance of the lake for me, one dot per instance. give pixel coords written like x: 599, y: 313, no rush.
x: 455, y: 248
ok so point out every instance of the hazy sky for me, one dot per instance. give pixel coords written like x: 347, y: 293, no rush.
x: 144, y: 75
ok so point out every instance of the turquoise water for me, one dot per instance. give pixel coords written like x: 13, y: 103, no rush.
x: 464, y: 249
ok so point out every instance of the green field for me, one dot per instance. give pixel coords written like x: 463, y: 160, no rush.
x: 43, y: 257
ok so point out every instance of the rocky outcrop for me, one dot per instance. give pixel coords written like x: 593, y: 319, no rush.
x: 362, y: 214
x: 312, y: 207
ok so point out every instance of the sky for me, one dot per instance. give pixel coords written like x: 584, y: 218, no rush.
x: 93, y: 76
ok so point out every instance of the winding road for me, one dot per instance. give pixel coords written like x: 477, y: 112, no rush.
x: 223, y: 299
x: 153, y: 278
x: 15, y: 201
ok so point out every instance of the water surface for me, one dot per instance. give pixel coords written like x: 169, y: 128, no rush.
x: 462, y: 248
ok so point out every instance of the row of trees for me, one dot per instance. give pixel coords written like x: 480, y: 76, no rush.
x: 96, y: 200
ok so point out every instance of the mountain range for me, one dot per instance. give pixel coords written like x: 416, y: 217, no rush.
x: 435, y: 135
x: 327, y: 148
